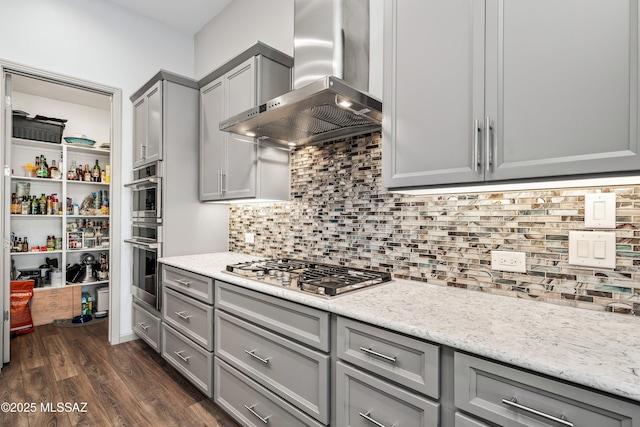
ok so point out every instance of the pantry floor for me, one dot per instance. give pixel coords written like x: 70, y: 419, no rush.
x: 73, y: 376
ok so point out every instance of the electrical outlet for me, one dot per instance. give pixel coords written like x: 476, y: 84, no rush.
x: 249, y: 238
x: 509, y: 261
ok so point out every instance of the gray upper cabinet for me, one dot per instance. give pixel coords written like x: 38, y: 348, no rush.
x: 148, y: 126
x: 433, y: 91
x: 236, y: 166
x: 494, y: 90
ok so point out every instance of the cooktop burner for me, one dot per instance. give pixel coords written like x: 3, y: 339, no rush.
x: 311, y: 277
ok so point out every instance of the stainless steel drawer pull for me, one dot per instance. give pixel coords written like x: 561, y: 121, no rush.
x: 143, y: 326
x: 250, y: 409
x: 253, y: 354
x: 372, y: 421
x: 514, y: 402
x: 183, y: 282
x: 181, y: 315
x: 184, y: 358
x: 380, y: 355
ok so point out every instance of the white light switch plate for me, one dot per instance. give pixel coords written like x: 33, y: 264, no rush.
x: 592, y: 248
x: 509, y: 261
x: 600, y: 210
x: 249, y: 238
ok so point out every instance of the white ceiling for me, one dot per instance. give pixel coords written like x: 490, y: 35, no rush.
x: 188, y: 16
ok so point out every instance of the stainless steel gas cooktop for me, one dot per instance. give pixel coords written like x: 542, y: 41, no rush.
x: 314, y: 278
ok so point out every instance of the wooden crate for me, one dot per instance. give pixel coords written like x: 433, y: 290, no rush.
x: 49, y: 304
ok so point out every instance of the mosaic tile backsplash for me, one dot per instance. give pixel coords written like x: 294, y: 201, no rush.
x: 339, y: 213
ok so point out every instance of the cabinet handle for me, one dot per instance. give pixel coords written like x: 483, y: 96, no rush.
x: 487, y: 138
x: 371, y: 420
x: 219, y: 182
x: 223, y: 181
x: 476, y: 142
x: 183, y: 282
x: 253, y: 354
x: 184, y: 358
x: 265, y: 420
x: 143, y: 326
x: 514, y: 402
x: 380, y: 355
x: 182, y: 316
x: 143, y: 151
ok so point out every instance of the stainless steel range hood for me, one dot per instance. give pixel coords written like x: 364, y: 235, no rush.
x: 330, y: 99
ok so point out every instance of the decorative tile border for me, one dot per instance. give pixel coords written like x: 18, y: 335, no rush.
x: 339, y: 213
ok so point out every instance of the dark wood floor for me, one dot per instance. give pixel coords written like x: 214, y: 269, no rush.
x: 123, y: 385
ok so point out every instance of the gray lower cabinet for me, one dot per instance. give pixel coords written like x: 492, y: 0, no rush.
x: 146, y: 325
x: 407, y: 361
x: 191, y: 360
x: 463, y: 420
x: 294, y: 372
x: 187, y: 325
x: 252, y: 404
x: 495, y: 90
x: 511, y: 397
x: 365, y: 400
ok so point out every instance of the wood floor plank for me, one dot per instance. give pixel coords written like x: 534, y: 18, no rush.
x: 12, y: 388
x: 78, y: 390
x: 126, y: 384
x: 44, y: 393
x: 60, y: 359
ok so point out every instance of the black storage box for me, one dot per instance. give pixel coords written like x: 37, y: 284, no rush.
x: 39, y: 128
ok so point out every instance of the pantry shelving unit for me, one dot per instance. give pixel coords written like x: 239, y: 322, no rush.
x: 95, y: 111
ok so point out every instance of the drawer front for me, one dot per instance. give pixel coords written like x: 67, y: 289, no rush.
x: 301, y: 323
x: 363, y: 400
x: 509, y: 396
x: 191, y: 360
x: 146, y: 326
x: 250, y: 403
x: 193, y: 318
x: 407, y: 361
x: 462, y: 420
x: 292, y: 371
x: 193, y: 284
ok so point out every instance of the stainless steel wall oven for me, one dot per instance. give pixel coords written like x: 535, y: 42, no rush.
x: 146, y: 233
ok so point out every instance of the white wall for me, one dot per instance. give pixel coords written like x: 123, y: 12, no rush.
x: 239, y: 26
x: 98, y: 41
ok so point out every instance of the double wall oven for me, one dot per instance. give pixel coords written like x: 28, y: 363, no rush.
x: 146, y: 233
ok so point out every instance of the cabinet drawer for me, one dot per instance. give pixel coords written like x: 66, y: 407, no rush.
x: 193, y: 284
x: 491, y: 391
x: 250, y: 403
x: 407, y: 361
x: 462, y: 420
x: 147, y: 326
x: 191, y: 360
x: 193, y: 318
x: 363, y: 400
x: 290, y: 370
x: 298, y: 322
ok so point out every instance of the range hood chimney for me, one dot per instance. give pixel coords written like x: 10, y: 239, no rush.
x: 330, y: 99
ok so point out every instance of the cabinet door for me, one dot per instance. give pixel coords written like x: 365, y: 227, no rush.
x: 139, y: 130
x: 562, y: 87
x: 212, y: 140
x: 153, y: 150
x: 241, y: 151
x: 147, y: 127
x: 433, y: 92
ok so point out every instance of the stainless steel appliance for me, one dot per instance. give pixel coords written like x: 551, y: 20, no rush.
x: 146, y: 193
x: 332, y: 79
x: 146, y: 246
x: 315, y: 278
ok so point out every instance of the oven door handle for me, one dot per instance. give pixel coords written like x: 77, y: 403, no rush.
x: 143, y: 244
x: 144, y: 183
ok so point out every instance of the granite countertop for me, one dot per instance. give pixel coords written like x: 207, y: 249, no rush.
x: 598, y: 350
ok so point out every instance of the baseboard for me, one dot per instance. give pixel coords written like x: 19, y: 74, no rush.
x: 128, y: 337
